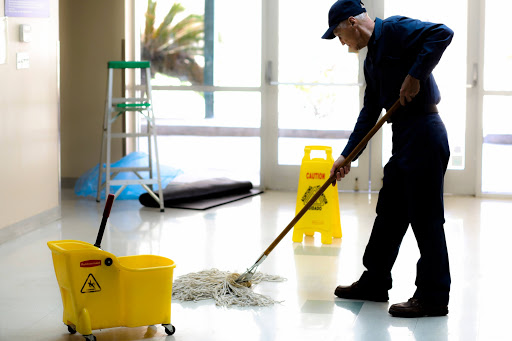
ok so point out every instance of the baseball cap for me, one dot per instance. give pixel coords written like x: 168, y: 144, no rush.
x: 342, y: 10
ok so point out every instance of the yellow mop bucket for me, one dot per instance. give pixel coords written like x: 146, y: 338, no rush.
x: 100, y: 290
x: 324, y: 215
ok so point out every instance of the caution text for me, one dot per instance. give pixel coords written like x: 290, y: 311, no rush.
x: 319, y: 176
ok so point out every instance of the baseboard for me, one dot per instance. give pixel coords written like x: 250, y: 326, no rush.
x: 30, y: 224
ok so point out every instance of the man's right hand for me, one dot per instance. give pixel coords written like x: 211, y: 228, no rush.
x: 341, y: 172
x: 409, y: 90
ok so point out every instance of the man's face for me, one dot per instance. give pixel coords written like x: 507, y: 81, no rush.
x: 349, y: 35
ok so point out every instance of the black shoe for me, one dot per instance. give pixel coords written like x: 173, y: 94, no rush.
x: 417, y: 308
x: 356, y: 292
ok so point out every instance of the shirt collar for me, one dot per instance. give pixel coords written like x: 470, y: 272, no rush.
x: 377, y: 32
x: 378, y: 28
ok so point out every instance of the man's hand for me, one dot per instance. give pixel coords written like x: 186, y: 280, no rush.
x: 410, y: 88
x: 340, y: 173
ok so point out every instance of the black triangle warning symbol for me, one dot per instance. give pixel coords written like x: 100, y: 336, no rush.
x: 90, y: 285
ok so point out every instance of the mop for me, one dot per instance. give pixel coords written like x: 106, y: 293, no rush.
x: 221, y: 286
x: 229, y: 289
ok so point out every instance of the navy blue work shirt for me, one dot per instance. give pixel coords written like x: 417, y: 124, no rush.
x: 399, y: 46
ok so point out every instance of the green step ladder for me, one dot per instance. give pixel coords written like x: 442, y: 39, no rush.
x: 114, y: 108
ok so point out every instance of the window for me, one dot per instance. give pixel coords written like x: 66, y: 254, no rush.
x: 206, y: 75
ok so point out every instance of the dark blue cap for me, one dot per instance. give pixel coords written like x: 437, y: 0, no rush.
x: 340, y: 11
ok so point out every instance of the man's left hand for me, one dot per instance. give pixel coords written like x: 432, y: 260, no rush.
x: 410, y: 88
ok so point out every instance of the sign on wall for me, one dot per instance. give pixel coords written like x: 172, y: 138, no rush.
x: 27, y: 8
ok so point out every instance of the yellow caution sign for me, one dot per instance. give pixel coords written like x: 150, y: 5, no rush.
x: 324, y: 215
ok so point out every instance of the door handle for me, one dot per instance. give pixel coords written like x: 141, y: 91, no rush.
x: 474, y: 77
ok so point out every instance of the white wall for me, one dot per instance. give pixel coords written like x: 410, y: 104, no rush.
x: 29, y: 123
x: 91, y: 34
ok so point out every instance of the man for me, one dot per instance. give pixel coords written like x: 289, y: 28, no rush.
x: 402, y: 53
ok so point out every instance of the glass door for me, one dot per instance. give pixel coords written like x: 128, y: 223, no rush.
x: 317, y: 86
x: 496, y: 95
x: 456, y: 77
x: 314, y: 86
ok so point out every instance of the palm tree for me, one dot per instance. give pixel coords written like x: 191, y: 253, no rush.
x: 171, y: 49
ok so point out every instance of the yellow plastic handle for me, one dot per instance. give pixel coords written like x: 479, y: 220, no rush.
x: 308, y: 149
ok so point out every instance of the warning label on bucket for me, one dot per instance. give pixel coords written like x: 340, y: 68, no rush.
x: 319, y: 203
x: 90, y: 285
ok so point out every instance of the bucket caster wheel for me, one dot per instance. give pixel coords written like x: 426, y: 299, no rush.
x: 90, y: 337
x: 71, y: 329
x: 169, y: 329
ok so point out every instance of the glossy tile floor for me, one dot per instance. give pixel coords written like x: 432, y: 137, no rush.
x: 231, y: 237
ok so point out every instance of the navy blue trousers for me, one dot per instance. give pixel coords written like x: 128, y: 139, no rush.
x: 412, y: 194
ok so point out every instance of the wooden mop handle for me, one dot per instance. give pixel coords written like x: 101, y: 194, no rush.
x: 329, y: 181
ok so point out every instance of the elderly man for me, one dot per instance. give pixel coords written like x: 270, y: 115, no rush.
x: 402, y: 53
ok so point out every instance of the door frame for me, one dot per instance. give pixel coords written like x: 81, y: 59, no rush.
x: 479, y: 15
x: 460, y: 182
x: 285, y: 177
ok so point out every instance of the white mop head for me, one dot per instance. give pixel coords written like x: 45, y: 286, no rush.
x: 221, y: 286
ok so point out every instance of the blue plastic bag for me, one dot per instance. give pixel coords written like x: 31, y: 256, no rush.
x: 87, y: 184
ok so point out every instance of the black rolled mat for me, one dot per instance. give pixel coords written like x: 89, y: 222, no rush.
x: 203, y: 194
